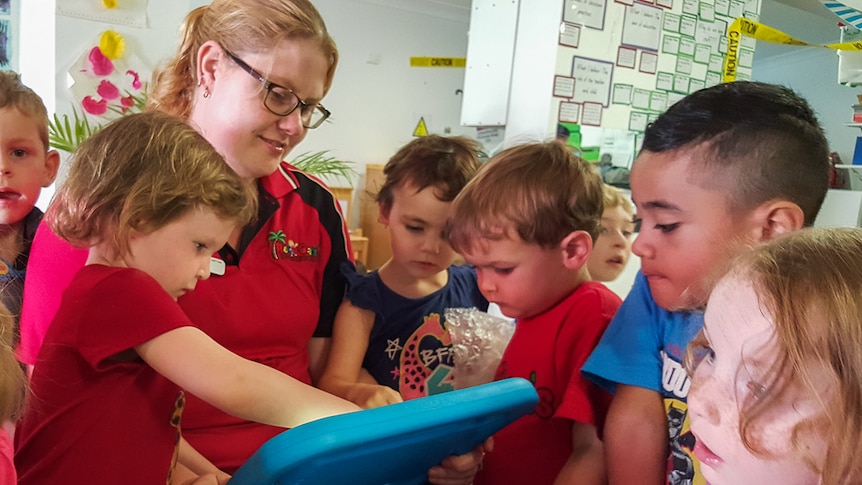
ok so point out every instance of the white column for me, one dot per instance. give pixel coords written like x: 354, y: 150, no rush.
x: 536, y: 43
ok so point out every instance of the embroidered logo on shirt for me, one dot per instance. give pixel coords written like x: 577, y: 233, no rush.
x: 284, y: 248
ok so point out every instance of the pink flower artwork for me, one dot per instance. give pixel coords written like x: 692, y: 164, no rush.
x: 107, y: 90
x: 102, y: 66
x: 94, y: 107
x: 107, y: 78
x: 136, y: 79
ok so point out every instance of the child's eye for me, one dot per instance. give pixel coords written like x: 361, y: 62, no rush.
x: 704, y: 355
x: 699, y: 352
x: 200, y: 247
x: 627, y: 234
x: 503, y: 271
x: 19, y: 152
x: 414, y: 228
x: 667, y: 228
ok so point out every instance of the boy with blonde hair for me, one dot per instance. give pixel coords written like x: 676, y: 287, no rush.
x: 613, y: 248
x: 26, y: 165
x: 725, y: 168
x: 527, y: 222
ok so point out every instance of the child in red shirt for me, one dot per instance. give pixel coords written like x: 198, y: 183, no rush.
x: 527, y: 222
x: 152, y: 200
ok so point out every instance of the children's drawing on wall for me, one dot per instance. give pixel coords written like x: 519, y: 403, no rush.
x: 127, y: 12
x: 5, y: 45
x: 108, y: 79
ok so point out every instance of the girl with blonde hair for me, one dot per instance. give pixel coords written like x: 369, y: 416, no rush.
x: 776, y: 394
x: 151, y: 200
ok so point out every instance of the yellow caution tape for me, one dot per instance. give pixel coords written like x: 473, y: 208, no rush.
x: 756, y: 30
x: 438, y: 62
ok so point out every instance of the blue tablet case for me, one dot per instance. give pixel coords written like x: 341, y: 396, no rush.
x: 395, y: 444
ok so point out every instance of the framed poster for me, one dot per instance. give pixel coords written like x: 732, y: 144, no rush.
x: 9, y: 34
x: 642, y: 26
x: 585, y: 12
x: 593, y: 79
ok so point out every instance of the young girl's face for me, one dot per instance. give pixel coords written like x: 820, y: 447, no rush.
x: 416, y: 223
x: 741, y: 349
x: 178, y: 254
x: 613, y: 247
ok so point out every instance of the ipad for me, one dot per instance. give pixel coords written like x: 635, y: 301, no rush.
x: 395, y: 444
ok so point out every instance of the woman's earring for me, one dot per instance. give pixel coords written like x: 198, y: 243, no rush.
x: 206, y: 93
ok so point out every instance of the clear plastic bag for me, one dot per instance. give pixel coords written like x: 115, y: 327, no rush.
x: 478, y: 342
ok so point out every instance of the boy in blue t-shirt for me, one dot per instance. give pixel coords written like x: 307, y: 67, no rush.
x: 723, y: 169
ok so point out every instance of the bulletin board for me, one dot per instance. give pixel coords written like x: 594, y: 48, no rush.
x: 621, y: 63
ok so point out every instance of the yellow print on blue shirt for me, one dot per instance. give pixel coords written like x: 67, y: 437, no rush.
x: 683, y: 468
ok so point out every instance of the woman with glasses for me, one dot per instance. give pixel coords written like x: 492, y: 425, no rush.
x: 250, y: 76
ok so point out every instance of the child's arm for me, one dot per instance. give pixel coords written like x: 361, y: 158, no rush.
x: 246, y: 389
x: 636, y: 437
x: 586, y: 465
x: 344, y: 376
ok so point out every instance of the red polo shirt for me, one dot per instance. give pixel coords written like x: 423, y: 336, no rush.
x: 281, y: 288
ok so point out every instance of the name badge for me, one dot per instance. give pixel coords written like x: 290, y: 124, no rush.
x: 217, y: 266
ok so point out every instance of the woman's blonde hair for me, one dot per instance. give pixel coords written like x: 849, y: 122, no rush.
x: 810, y: 282
x: 540, y: 190
x: 239, y: 26
x: 13, y: 381
x: 139, y: 173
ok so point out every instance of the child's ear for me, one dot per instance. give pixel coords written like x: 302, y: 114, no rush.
x: 576, y: 248
x: 383, y: 213
x: 52, y: 164
x: 778, y: 217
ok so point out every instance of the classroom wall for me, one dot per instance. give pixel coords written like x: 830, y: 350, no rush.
x: 377, y: 99
x: 810, y: 71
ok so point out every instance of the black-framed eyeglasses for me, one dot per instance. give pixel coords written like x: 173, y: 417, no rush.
x: 282, y: 101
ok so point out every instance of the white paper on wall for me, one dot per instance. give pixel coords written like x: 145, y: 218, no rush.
x: 126, y: 12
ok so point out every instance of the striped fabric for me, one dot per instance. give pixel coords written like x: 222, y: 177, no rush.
x: 848, y: 15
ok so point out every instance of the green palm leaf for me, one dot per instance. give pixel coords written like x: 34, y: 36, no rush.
x: 322, y: 165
